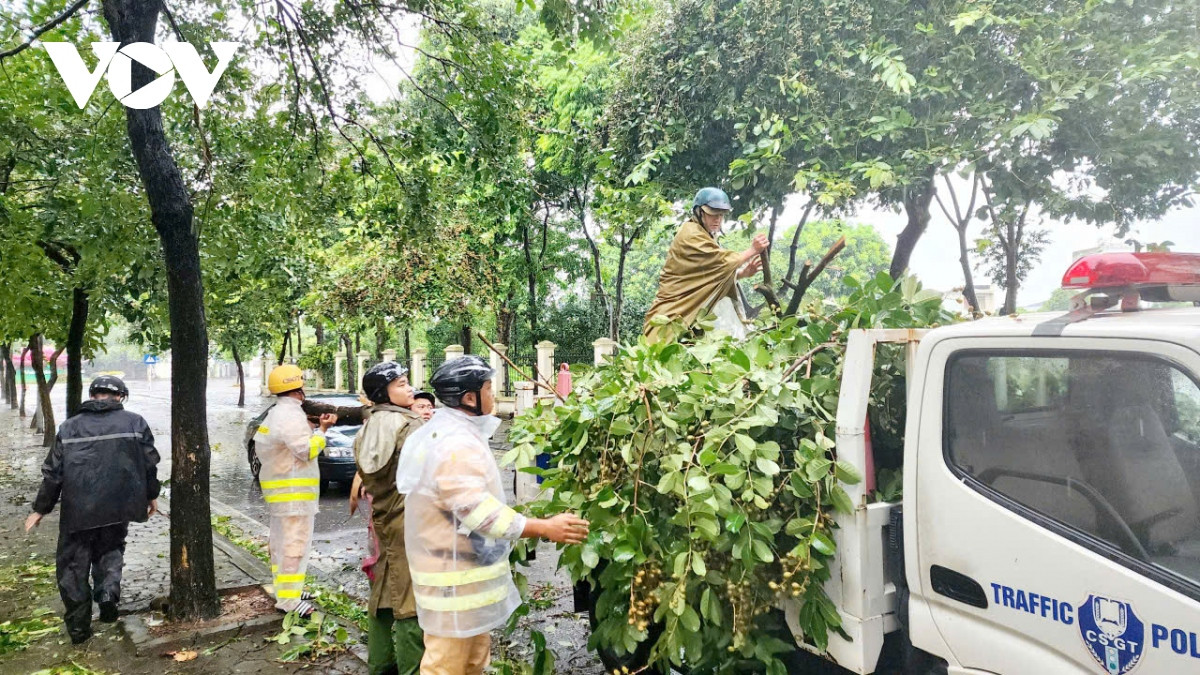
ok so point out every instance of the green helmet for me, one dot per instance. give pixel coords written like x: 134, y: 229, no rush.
x: 713, y: 198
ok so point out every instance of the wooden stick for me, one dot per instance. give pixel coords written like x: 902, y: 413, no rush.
x: 514, y: 367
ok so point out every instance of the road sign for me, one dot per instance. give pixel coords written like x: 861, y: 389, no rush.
x: 149, y: 359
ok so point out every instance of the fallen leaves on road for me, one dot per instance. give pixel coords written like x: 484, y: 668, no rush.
x: 186, y: 655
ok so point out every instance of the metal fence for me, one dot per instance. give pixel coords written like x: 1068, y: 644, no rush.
x: 526, y: 361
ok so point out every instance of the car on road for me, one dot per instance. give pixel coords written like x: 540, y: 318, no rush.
x: 336, y: 460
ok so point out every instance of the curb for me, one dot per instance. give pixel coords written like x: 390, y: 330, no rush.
x: 144, y: 644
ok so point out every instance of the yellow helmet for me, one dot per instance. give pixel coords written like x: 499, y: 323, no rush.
x: 285, y: 378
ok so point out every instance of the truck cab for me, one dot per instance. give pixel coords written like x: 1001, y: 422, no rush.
x: 1050, y: 519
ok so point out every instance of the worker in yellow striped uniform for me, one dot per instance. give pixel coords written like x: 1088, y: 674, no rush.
x: 288, y: 446
x: 458, y: 531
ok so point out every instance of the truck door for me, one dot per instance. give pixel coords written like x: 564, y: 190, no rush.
x: 1058, y: 505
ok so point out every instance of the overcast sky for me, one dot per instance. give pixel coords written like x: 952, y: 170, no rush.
x: 935, y: 259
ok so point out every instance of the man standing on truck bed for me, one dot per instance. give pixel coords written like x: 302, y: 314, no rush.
x: 458, y: 531
x: 699, y: 275
x: 104, y: 469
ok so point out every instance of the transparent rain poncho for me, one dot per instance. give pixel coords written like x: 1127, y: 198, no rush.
x: 458, y: 532
x: 287, y: 447
x: 290, y: 479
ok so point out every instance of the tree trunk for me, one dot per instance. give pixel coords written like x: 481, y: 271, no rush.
x: 917, y: 199
x: 299, y: 337
x: 44, y: 406
x: 237, y: 361
x: 464, y: 338
x: 79, y: 318
x: 319, y: 328
x: 407, y: 348
x: 968, y: 277
x: 193, y: 578
x: 9, y: 385
x: 531, y: 282
x: 614, y: 321
x: 24, y: 387
x: 350, y: 365
x: 287, y: 337
x: 1011, y: 283
x: 504, y: 320
x: 381, y: 336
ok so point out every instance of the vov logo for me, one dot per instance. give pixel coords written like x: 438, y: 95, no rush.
x: 117, y: 61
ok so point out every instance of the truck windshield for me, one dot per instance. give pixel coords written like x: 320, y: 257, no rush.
x: 1105, y: 443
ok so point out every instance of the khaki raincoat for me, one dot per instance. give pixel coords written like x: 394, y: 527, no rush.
x: 698, y: 274
x: 377, y: 451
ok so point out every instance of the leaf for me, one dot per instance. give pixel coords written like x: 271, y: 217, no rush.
x: 689, y: 620
x: 699, y: 483
x: 745, y: 444
x: 620, y: 427
x: 823, y: 544
x: 623, y: 553
x: 847, y: 473
x: 841, y: 500
x: 762, y: 551
x: 590, y: 557
x: 766, y: 466
x: 186, y: 655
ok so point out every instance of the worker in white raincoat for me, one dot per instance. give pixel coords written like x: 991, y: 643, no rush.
x: 458, y: 531
x: 288, y: 447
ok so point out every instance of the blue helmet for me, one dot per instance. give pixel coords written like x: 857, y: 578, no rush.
x: 713, y: 198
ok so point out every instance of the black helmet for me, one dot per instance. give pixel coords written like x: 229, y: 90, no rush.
x: 377, y: 378
x: 425, y: 395
x: 109, y: 385
x: 459, y: 376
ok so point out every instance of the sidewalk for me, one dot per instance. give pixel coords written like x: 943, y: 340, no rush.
x: 29, y: 596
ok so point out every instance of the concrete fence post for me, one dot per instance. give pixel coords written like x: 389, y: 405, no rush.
x: 602, y: 349
x: 525, y: 486
x: 545, y: 363
x: 360, y: 362
x: 339, y: 372
x: 389, y: 355
x: 500, y: 366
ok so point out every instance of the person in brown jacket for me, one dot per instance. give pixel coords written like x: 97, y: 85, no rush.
x: 395, y: 643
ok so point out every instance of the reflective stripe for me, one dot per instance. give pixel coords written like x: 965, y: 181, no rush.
x: 501, y: 523
x: 264, y: 431
x: 486, y: 508
x: 315, y: 445
x: 290, y: 482
x: 289, y: 578
x: 287, y: 594
x: 462, y: 603
x: 291, y: 497
x: 461, y: 578
x: 105, y: 437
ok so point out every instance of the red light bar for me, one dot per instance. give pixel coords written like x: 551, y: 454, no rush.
x: 1118, y: 270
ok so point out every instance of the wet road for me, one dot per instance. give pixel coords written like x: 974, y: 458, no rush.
x: 340, y: 539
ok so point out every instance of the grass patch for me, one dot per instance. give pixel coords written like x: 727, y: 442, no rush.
x: 334, y: 601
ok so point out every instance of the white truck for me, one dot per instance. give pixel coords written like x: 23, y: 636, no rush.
x: 1050, y: 519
